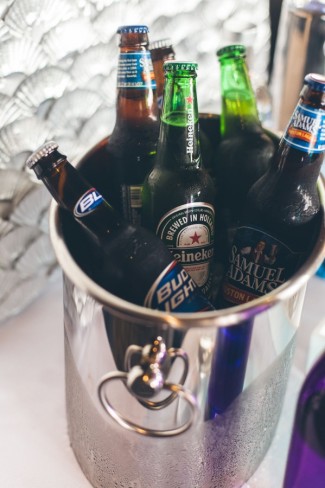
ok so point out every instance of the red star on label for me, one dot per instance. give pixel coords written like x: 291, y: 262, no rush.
x: 195, y: 238
x: 189, y: 99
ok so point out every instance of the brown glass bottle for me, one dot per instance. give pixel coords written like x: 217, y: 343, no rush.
x: 120, y: 170
x: 282, y: 212
x: 161, y: 50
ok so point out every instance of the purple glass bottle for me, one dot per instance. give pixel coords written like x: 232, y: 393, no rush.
x: 306, y: 458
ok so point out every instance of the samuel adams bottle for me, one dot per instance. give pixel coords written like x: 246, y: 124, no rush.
x: 178, y: 194
x: 132, y: 144
x: 245, y: 150
x: 306, y: 458
x: 135, y: 264
x: 281, y: 214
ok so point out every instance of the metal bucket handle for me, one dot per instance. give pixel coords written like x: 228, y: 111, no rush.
x: 146, y: 379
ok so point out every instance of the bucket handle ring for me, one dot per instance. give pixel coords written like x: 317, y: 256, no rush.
x: 176, y: 389
x: 172, y: 353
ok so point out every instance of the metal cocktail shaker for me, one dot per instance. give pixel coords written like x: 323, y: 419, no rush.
x: 299, y: 50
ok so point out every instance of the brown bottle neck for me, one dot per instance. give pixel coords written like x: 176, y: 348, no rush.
x: 136, y: 106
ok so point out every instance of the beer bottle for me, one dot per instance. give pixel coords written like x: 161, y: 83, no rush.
x: 306, y: 457
x: 245, y: 150
x: 282, y: 212
x: 134, y: 264
x: 132, y: 144
x: 161, y: 50
x: 178, y: 194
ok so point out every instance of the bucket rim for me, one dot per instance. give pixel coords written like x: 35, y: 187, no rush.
x: 215, y: 318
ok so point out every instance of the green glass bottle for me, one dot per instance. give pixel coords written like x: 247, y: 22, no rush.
x: 245, y: 150
x: 178, y: 194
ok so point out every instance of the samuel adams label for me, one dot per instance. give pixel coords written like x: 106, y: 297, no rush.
x: 258, y: 264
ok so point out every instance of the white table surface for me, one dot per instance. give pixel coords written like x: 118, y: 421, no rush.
x: 34, y: 444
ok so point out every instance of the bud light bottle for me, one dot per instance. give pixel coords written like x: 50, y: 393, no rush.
x: 134, y: 264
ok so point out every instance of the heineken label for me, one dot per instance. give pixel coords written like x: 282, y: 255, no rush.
x: 188, y: 232
x: 135, y: 70
x: 175, y: 291
x: 306, y: 129
x: 258, y: 264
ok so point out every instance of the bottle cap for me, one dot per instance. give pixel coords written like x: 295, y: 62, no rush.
x: 132, y: 29
x: 42, y: 152
x: 315, y: 81
x: 172, y: 66
x: 238, y: 50
x: 160, y: 44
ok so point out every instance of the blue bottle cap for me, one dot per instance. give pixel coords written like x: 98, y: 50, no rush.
x: 132, y: 29
x: 315, y: 81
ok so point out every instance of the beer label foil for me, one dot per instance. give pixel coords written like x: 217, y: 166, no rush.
x: 258, y: 264
x: 188, y: 232
x: 175, y: 291
x: 135, y: 70
x: 306, y: 129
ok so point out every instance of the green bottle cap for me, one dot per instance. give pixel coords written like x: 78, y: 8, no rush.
x: 234, y: 50
x: 172, y: 66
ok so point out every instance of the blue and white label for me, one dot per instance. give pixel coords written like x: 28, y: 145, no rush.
x: 87, y: 203
x: 175, y: 291
x: 306, y: 129
x: 135, y: 70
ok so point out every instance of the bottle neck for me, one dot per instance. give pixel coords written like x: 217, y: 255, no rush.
x: 159, y: 56
x: 67, y: 187
x: 301, y: 149
x: 239, y: 111
x: 136, y: 85
x: 178, y: 144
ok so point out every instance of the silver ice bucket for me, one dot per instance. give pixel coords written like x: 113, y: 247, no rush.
x: 220, y: 379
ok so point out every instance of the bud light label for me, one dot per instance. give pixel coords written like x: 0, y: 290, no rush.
x: 175, y: 291
x: 188, y: 232
x: 87, y: 203
x: 258, y: 264
x: 306, y: 129
x: 135, y: 70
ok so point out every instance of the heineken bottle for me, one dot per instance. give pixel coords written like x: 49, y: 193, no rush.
x: 178, y: 194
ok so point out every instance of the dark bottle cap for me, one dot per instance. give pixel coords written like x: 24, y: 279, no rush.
x: 172, y: 66
x: 133, y: 29
x: 315, y: 81
x: 42, y: 152
x: 234, y: 50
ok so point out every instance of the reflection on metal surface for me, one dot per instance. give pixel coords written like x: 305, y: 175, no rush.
x: 144, y: 381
